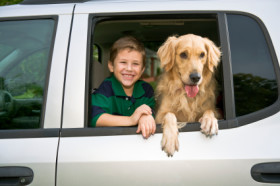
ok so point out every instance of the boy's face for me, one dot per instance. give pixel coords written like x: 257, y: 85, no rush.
x: 127, y: 68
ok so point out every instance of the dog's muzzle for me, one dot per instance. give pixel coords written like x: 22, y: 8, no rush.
x: 195, y: 77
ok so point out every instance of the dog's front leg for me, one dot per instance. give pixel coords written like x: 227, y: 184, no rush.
x: 209, y: 123
x: 169, y: 142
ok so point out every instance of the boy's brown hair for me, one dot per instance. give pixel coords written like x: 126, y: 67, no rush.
x: 127, y: 42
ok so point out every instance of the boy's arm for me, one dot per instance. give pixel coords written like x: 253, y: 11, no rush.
x: 115, y: 120
x: 146, y: 125
x: 109, y: 120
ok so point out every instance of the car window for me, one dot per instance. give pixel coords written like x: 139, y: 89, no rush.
x: 152, y: 30
x: 255, y: 85
x: 23, y: 68
x: 254, y: 77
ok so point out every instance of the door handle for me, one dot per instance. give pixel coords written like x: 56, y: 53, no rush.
x: 266, y: 172
x: 14, y: 176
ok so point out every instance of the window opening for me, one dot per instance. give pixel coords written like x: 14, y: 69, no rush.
x: 152, y: 32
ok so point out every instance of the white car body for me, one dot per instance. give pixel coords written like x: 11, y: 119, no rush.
x: 65, y: 152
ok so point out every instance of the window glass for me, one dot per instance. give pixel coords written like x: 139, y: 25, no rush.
x: 255, y: 84
x: 25, y: 47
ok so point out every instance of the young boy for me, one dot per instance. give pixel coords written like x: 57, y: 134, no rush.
x: 123, y: 99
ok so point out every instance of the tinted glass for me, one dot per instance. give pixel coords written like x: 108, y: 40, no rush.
x: 255, y: 84
x: 23, y: 66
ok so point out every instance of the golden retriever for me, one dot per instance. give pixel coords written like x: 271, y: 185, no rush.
x: 186, y: 91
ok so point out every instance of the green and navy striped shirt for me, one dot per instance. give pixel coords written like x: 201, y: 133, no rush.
x: 110, y: 98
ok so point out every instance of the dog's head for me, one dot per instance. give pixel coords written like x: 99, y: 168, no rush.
x: 191, y: 58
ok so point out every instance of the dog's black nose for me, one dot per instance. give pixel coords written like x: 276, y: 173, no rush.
x: 195, y: 77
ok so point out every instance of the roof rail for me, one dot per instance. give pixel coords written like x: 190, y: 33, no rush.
x: 37, y: 2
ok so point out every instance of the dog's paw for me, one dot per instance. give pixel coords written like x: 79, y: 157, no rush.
x: 169, y: 142
x: 209, y: 125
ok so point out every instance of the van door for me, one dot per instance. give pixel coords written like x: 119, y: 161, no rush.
x: 33, y: 45
x: 248, y: 134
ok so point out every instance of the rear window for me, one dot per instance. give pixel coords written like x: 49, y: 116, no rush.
x: 255, y: 84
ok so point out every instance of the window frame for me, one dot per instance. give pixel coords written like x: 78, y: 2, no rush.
x: 230, y: 120
x: 41, y: 131
x: 273, y: 108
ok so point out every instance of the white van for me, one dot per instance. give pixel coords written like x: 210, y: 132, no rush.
x: 53, y: 53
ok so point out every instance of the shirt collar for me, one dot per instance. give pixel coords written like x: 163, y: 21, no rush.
x: 138, y: 90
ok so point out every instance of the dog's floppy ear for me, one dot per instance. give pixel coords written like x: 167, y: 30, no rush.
x: 166, y: 53
x: 213, y: 54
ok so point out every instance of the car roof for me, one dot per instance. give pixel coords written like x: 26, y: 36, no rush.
x: 38, y: 2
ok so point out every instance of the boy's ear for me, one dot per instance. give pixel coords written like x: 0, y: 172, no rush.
x: 143, y: 69
x: 110, y: 66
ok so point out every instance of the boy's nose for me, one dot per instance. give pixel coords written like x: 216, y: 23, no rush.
x: 129, y: 67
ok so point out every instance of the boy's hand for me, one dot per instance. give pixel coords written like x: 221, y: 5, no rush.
x: 147, y: 125
x: 142, y: 110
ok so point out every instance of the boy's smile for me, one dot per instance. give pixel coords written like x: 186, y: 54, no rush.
x: 127, y: 68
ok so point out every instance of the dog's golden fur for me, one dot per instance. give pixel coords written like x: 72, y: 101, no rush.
x: 180, y: 57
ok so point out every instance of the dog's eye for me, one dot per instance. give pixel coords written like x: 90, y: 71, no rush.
x: 202, y: 55
x: 183, y: 55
